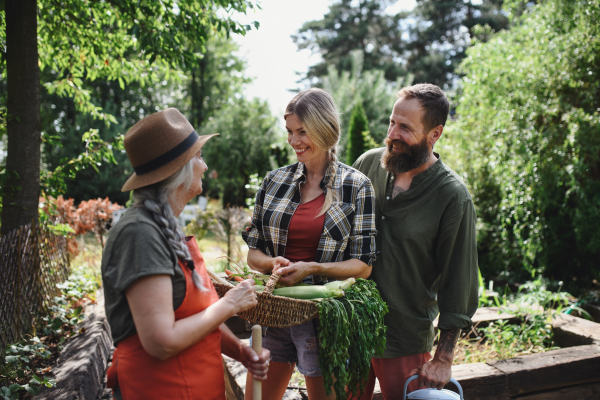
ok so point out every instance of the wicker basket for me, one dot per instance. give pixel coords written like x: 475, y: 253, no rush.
x: 274, y: 311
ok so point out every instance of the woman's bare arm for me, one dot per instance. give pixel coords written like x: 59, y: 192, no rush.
x: 352, y: 268
x: 151, y: 302
x: 259, y: 261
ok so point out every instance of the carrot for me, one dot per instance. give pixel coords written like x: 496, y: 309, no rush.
x: 236, y: 278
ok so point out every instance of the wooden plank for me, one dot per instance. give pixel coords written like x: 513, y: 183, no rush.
x: 573, y: 331
x: 232, y: 390
x: 484, y: 315
x: 589, y: 391
x: 490, y: 314
x: 551, y: 370
x: 480, y: 381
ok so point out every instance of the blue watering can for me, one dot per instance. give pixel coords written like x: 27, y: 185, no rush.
x: 431, y: 394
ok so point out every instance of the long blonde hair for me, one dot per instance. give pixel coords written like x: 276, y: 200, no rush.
x: 315, y: 108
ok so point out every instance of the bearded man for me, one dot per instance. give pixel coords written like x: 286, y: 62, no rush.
x: 427, y: 251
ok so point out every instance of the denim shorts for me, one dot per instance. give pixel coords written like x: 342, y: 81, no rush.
x: 296, y: 344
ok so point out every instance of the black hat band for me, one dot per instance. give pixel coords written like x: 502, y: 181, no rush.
x: 168, y: 156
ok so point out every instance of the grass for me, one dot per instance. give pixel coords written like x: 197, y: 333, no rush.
x: 214, y: 252
x: 501, y: 340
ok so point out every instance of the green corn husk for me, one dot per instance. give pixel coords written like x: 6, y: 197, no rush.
x: 308, y: 292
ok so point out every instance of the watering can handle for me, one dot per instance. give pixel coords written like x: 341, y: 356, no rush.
x: 454, y: 381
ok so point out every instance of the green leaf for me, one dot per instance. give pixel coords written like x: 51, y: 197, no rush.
x: 32, y: 389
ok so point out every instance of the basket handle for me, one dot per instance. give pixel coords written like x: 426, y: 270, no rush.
x: 271, y: 283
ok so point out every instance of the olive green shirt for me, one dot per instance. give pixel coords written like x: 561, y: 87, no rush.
x: 136, y: 247
x: 427, y: 261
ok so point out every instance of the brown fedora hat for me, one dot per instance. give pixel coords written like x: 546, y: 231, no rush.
x: 160, y: 145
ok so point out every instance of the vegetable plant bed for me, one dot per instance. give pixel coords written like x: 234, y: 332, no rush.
x: 571, y: 372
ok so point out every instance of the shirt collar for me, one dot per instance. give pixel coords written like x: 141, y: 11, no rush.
x: 299, y: 172
x: 300, y: 176
x: 428, y: 172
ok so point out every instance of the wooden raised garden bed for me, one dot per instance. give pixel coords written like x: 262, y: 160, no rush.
x: 571, y: 372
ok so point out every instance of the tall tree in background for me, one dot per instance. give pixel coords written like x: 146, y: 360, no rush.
x: 214, y: 79
x: 124, y: 41
x: 441, y: 33
x: 351, y: 25
x: 247, y: 144
x: 62, y: 125
x: 21, y: 181
x: 200, y: 91
x: 427, y: 42
x: 359, y: 139
x: 370, y: 88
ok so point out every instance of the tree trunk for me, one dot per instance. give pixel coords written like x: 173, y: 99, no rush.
x: 21, y: 191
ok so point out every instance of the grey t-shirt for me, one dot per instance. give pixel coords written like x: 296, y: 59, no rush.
x: 136, y: 247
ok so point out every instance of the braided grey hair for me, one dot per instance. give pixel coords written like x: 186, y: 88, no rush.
x: 155, y: 198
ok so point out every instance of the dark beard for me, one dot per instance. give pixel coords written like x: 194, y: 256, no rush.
x: 412, y: 157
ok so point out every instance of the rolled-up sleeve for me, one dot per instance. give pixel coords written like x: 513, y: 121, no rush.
x: 457, y: 259
x: 362, y: 241
x: 255, y: 238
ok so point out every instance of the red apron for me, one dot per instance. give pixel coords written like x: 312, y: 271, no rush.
x: 195, y: 373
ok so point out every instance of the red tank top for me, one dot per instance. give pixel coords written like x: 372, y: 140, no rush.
x: 305, y: 231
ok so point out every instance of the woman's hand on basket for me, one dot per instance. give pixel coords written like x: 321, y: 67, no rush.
x: 295, y: 272
x: 279, y: 262
x: 256, y: 365
x: 242, y: 296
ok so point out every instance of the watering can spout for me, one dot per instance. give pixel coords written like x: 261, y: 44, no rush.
x: 430, y: 394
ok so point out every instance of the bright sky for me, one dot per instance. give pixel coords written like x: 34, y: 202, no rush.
x: 273, y: 58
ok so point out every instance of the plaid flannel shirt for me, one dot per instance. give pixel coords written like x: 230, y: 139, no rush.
x: 349, y: 228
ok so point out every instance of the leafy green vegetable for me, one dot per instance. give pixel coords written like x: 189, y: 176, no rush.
x: 357, y: 319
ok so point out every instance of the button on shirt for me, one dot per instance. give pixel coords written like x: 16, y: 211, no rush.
x: 349, y: 228
x: 427, y: 263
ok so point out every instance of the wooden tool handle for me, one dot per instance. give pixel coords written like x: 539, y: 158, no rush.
x: 257, y: 347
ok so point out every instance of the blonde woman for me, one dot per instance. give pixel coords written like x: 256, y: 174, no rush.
x: 313, y: 221
x: 164, y: 314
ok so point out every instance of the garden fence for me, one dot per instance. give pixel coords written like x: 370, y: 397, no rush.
x: 32, y: 261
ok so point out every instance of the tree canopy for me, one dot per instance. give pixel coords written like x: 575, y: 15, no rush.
x: 206, y: 88
x: 359, y: 139
x: 80, y: 41
x: 428, y: 42
x: 249, y: 142
x: 370, y: 88
x: 529, y: 132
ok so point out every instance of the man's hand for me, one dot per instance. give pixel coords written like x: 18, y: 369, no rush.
x: 433, y: 374
x: 437, y: 372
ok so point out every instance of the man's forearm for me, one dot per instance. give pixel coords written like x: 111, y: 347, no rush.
x: 446, y: 345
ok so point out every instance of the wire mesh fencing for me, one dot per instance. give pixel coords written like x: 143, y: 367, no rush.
x: 32, y: 261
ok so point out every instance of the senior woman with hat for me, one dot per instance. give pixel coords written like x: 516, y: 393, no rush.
x: 165, y: 317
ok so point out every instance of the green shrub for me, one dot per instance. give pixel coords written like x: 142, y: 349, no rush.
x: 528, y: 134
